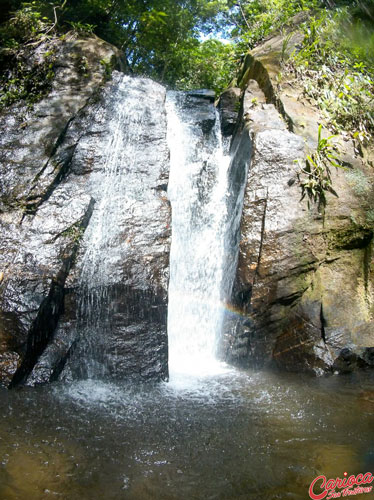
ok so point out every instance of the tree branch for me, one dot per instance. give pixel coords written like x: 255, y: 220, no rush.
x: 243, y: 15
x: 55, y: 14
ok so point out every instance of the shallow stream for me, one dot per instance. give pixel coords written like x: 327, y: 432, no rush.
x: 232, y: 436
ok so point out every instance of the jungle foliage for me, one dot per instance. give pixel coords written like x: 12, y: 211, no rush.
x: 187, y: 44
x: 159, y: 38
x: 335, y: 64
x: 181, y: 43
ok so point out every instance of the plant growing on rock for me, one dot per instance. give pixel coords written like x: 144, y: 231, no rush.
x: 315, y: 172
x: 25, y: 25
x: 82, y: 29
x: 27, y: 81
x: 334, y: 63
x: 107, y: 69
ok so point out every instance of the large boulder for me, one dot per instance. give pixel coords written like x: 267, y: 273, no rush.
x: 55, y: 160
x: 303, y: 296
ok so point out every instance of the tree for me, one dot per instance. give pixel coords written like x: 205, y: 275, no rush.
x: 211, y: 65
x: 159, y: 38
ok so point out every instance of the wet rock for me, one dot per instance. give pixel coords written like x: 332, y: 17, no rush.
x: 30, y: 137
x: 134, y: 347
x: 368, y: 356
x: 53, y: 175
x: 33, y: 290
x: 120, y: 276
x: 348, y: 361
x: 9, y: 363
x: 206, y: 94
x: 203, y: 115
x: 229, y: 107
x: 303, y: 292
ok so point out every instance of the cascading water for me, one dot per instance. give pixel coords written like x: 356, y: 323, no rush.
x: 119, y: 332
x: 239, y: 434
x: 119, y: 318
x: 101, y: 254
x: 204, y: 234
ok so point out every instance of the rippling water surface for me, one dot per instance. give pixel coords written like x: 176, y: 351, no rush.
x: 236, y: 436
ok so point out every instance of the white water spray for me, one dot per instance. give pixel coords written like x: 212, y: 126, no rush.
x: 199, y: 281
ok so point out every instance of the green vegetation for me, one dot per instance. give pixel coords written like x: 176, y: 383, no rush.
x: 24, y: 25
x: 253, y: 21
x: 74, y: 232
x: 107, y: 69
x: 28, y: 82
x: 163, y: 39
x: 336, y: 66
x: 173, y: 41
x: 159, y: 38
x: 210, y: 65
x: 370, y: 216
x: 315, y: 175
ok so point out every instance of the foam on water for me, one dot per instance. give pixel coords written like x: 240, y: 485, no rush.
x: 200, y: 268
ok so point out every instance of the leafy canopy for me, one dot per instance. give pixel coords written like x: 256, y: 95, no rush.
x: 159, y: 38
x: 172, y: 41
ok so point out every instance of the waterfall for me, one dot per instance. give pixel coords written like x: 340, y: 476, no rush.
x: 119, y: 314
x: 102, y: 257
x: 203, y: 250
x: 120, y: 328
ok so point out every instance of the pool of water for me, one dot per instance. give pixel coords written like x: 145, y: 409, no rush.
x: 236, y: 435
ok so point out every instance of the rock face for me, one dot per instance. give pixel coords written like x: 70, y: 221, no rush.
x: 59, y: 162
x: 85, y: 227
x: 228, y: 106
x: 200, y: 114
x: 303, y: 296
